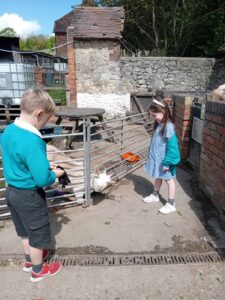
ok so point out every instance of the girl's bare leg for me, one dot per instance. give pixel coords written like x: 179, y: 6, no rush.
x: 171, y: 190
x: 169, y: 207
x: 157, y: 186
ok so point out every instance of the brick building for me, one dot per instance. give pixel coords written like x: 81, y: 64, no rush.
x: 89, y: 22
x: 93, y: 53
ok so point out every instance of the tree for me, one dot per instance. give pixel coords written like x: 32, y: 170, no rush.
x: 88, y: 3
x: 38, y: 42
x: 109, y: 3
x: 8, y: 32
x: 172, y: 28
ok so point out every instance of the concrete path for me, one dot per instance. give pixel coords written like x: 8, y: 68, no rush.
x: 119, y: 222
x: 189, y: 282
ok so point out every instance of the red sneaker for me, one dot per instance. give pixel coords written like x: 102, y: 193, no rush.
x: 27, y: 266
x: 47, y: 270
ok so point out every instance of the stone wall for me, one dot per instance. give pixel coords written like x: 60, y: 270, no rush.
x: 100, y: 68
x: 172, y: 73
x: 212, y: 162
x: 218, y: 73
x: 99, y: 83
x: 114, y: 104
x: 97, y: 66
x: 102, y: 75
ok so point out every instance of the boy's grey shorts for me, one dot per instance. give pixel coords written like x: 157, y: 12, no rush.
x: 30, y: 215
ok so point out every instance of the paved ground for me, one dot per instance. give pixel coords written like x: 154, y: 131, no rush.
x: 189, y: 282
x: 119, y: 222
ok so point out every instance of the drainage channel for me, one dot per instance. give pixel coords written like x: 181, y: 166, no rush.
x: 121, y: 260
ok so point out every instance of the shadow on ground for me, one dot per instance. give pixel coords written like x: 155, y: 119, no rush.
x: 203, y: 208
x: 199, y: 203
x: 57, y: 222
x: 142, y: 186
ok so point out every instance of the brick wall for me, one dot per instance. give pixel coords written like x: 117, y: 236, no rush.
x: 182, y: 116
x: 39, y: 75
x: 212, y: 163
x: 60, y: 39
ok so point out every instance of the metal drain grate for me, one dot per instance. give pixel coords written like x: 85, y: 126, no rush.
x: 122, y: 260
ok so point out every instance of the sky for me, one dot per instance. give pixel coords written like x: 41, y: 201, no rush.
x: 29, y: 17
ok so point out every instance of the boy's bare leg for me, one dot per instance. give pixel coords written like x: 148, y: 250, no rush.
x: 33, y: 256
x: 157, y: 186
x: 36, y: 255
x: 26, y: 246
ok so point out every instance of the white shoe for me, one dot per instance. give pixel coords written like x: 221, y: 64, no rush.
x: 151, y: 198
x: 167, y: 209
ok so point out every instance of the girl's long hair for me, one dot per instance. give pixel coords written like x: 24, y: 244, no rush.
x: 167, y: 115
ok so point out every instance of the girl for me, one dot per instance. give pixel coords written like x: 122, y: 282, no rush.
x: 163, y: 155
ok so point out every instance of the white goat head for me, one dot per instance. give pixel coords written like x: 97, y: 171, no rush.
x: 220, y: 92
x: 100, y: 181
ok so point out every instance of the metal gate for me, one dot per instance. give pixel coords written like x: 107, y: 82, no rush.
x: 96, y: 148
x: 73, y: 160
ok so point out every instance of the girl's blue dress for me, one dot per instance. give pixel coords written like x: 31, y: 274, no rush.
x: 157, y: 151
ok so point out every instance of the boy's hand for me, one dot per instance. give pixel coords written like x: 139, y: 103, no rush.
x: 53, y: 166
x: 58, y: 172
x: 165, y: 169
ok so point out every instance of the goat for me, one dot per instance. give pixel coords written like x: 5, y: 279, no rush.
x: 99, y: 181
x: 220, y: 92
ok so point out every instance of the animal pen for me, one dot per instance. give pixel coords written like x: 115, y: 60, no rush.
x: 117, y: 147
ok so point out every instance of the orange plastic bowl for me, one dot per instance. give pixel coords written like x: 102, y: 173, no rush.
x: 130, y: 157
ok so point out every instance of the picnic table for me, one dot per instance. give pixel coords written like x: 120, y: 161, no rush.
x: 79, y: 114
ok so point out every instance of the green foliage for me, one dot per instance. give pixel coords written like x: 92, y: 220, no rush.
x: 59, y: 95
x: 8, y: 32
x: 172, y: 28
x: 38, y: 42
x: 89, y: 3
x: 109, y: 3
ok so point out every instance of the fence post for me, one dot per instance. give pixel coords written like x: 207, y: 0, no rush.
x: 87, y: 160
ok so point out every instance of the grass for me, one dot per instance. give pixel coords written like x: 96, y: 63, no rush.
x: 58, y: 95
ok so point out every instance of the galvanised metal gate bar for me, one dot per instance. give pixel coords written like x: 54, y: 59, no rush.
x: 73, y: 160
x: 96, y: 149
x: 130, y: 134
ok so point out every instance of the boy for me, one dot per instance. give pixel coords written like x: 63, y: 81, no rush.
x: 26, y: 171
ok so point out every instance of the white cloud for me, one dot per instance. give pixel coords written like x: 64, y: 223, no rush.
x: 22, y: 27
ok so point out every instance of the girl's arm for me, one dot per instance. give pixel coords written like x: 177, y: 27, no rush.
x: 172, y: 156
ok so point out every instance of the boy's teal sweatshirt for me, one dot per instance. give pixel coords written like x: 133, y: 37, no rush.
x: 25, y: 163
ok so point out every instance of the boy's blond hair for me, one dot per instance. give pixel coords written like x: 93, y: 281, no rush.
x: 34, y: 99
